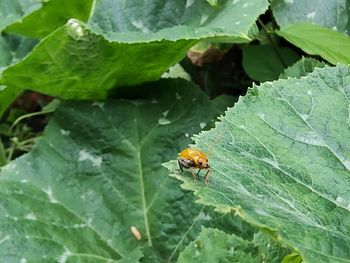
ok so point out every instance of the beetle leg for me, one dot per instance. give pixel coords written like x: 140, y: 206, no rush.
x: 180, y: 165
x: 198, y: 171
x: 194, y: 177
x: 206, y: 177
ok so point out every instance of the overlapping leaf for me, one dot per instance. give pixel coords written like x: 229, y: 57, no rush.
x: 302, y: 68
x: 126, y: 44
x: 330, y: 14
x: 262, y: 62
x: 38, y: 18
x: 12, y: 50
x: 213, y: 245
x: 315, y: 40
x: 280, y: 159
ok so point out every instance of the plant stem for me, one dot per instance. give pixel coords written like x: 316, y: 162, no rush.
x: 2, y: 154
x: 30, y: 115
x: 273, y: 43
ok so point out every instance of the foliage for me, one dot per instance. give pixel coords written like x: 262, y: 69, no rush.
x: 130, y: 84
x: 280, y: 168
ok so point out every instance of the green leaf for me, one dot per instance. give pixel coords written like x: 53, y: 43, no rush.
x: 38, y: 18
x: 280, y: 160
x: 213, y: 245
x: 331, y: 14
x: 96, y: 172
x: 126, y: 44
x: 315, y: 40
x: 12, y: 50
x: 175, y: 20
x: 213, y: 2
x: 262, y: 63
x: 222, y: 102
x: 302, y: 68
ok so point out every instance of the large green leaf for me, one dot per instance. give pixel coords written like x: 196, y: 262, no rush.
x: 315, y: 40
x: 213, y: 245
x: 96, y: 172
x: 280, y: 160
x: 262, y: 62
x: 331, y: 14
x: 38, y: 18
x: 127, y: 43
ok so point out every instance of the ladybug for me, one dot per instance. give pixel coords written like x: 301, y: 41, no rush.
x: 196, y: 159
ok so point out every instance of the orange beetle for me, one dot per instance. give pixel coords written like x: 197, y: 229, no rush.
x: 193, y: 158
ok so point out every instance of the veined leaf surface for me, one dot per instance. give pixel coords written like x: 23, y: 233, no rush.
x: 96, y: 172
x: 280, y: 160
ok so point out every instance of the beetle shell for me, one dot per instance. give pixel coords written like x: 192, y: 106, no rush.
x: 195, y: 156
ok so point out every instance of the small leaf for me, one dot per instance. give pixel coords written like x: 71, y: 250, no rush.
x: 315, y: 40
x: 262, y: 63
x: 302, y: 68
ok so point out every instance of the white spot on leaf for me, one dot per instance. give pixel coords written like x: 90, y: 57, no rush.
x: 7, y: 237
x: 311, y: 15
x: 163, y: 121
x: 63, y: 258
x: 64, y: 132
x: 202, y: 125
x: 261, y: 115
x: 289, y: 1
x: 204, y: 19
x: 24, y: 181
x: 48, y: 191
x: 30, y: 216
x: 23, y: 260
x: 139, y: 25
x: 84, y: 155
x: 99, y: 104
x: 187, y: 135
x: 238, y: 22
x: 189, y: 3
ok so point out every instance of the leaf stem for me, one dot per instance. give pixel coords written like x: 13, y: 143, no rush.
x: 272, y: 41
x: 25, y: 116
x: 2, y: 154
x: 92, y: 9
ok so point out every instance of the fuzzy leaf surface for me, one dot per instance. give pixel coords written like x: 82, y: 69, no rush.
x: 330, y: 14
x: 280, y: 160
x: 96, y: 172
